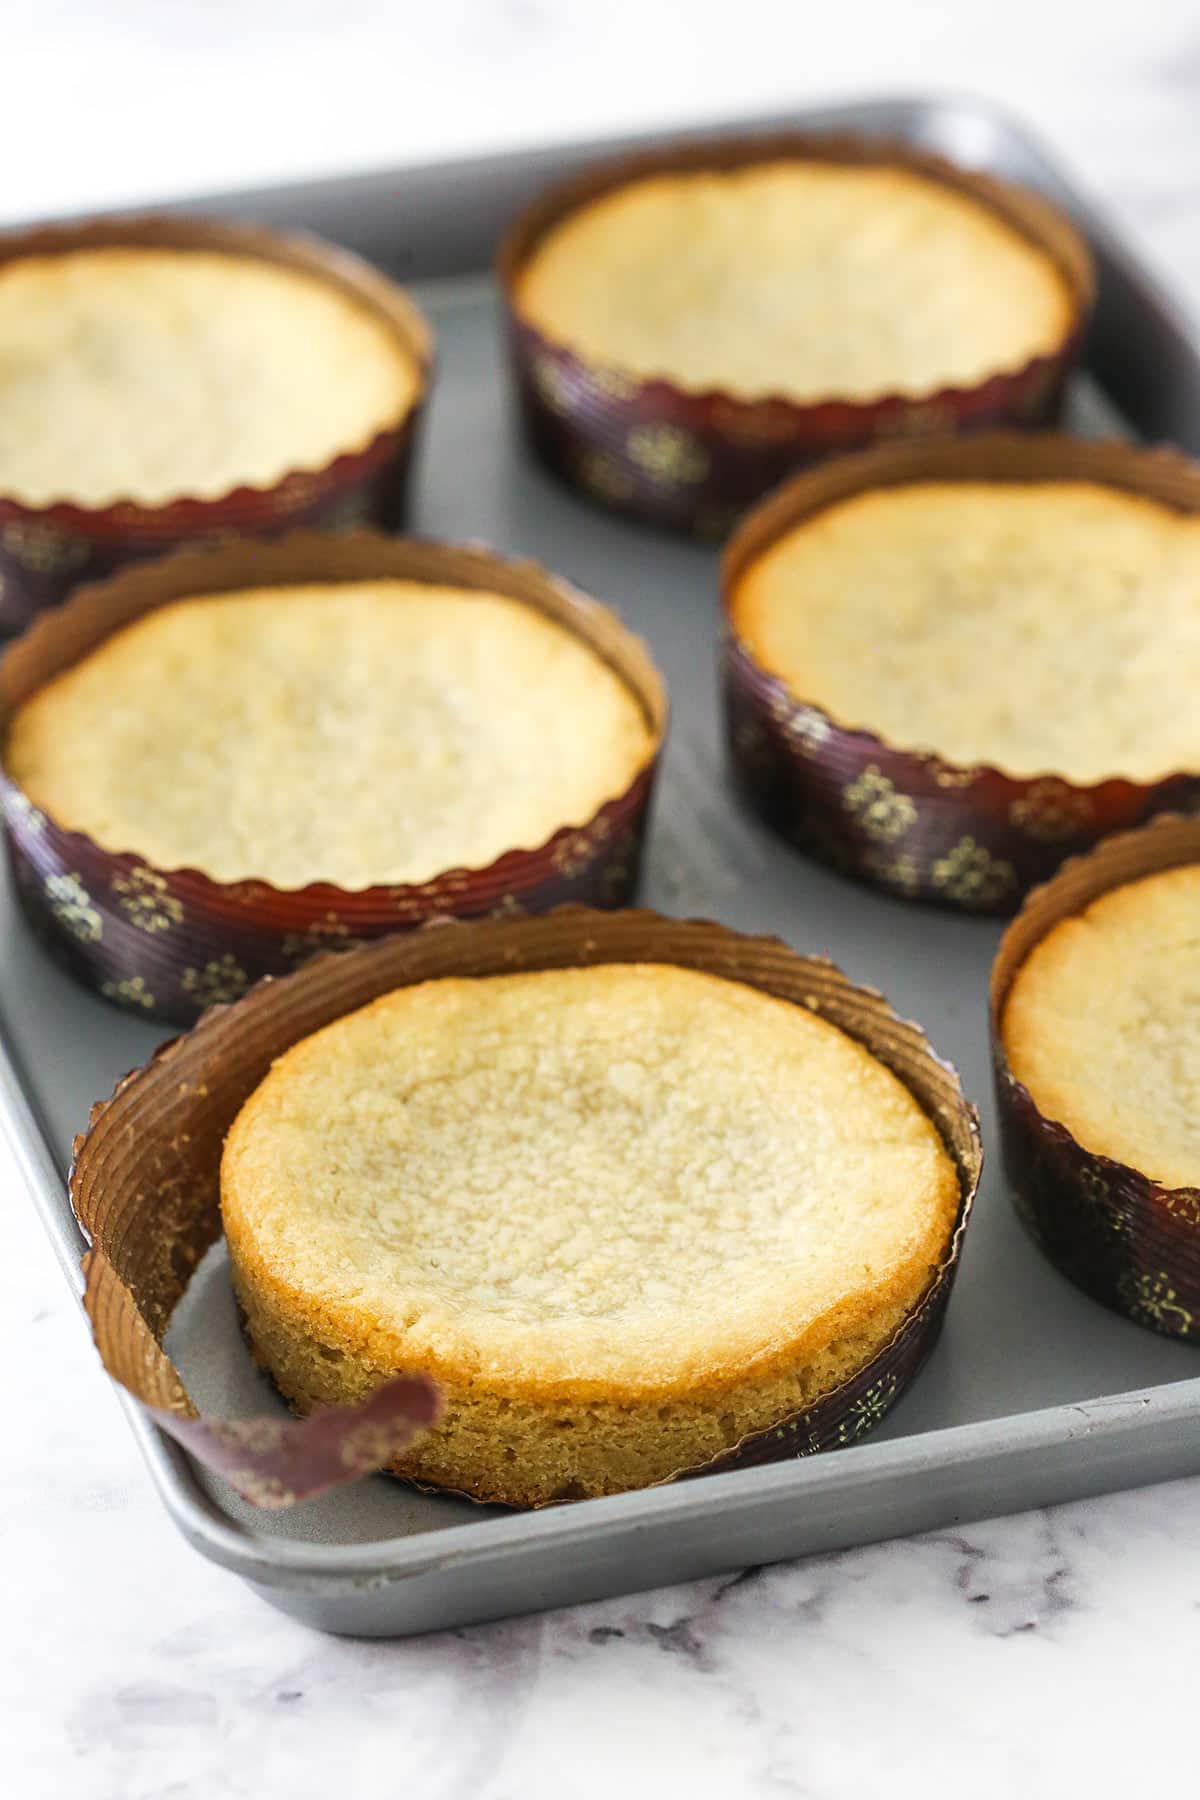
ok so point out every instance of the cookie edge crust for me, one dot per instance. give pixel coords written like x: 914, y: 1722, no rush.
x: 1072, y: 1101
x: 523, y: 1439
x: 1046, y: 344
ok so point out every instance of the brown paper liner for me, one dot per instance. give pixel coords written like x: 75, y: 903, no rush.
x: 145, y: 1181
x: 1124, y: 1239
x: 910, y: 821
x: 169, y: 942
x: 45, y: 551
x: 695, y: 460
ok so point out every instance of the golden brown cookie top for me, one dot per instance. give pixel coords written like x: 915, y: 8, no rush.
x: 804, y: 279
x: 630, y: 1176
x: 142, y: 374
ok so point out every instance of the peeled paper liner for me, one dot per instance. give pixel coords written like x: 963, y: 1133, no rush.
x: 145, y: 1180
x: 928, y: 829
x: 1123, y: 1238
x: 166, y: 943
x: 695, y: 460
x: 46, y: 550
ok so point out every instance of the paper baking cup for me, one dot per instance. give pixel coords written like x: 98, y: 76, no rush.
x: 696, y: 460
x: 45, y: 551
x: 973, y: 837
x: 172, y: 1116
x: 1124, y: 1239
x: 169, y: 942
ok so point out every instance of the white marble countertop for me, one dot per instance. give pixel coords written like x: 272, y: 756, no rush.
x: 1046, y: 1654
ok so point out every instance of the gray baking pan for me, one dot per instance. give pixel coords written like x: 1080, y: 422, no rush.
x: 1034, y: 1393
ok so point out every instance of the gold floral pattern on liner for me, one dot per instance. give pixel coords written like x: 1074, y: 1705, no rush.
x: 1051, y: 810
x: 972, y: 876
x: 805, y: 729
x: 1152, y: 1301
x: 328, y: 933
x: 577, y: 851
x: 1181, y: 1203
x: 23, y: 814
x: 603, y: 477
x: 553, y: 384
x: 1111, y: 1213
x: 668, y: 454
x: 266, y: 1491
x: 42, y: 549
x: 71, y: 905
x: 877, y: 806
x: 367, y: 1446
x: 866, y: 1412
x: 612, y: 384
x: 130, y: 992
x: 300, y: 489
x: 145, y: 900
x: 434, y: 900
x: 508, y: 908
x: 811, y: 1445
x: 947, y: 777
x: 247, y: 893
x: 902, y: 872
x: 262, y: 1436
x: 219, y: 981
x: 1095, y: 1186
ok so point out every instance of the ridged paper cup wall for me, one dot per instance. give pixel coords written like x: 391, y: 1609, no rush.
x: 696, y: 460
x: 47, y: 550
x: 974, y: 837
x: 169, y: 942
x: 172, y: 1117
x: 1129, y: 1241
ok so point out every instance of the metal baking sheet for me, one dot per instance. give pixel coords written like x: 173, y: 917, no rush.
x: 1035, y: 1393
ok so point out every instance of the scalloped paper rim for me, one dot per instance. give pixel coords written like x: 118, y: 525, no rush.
x: 800, y: 430
x: 1113, y: 801
x: 221, y: 909
x: 131, y: 1305
x: 1157, y: 1224
x: 304, y: 251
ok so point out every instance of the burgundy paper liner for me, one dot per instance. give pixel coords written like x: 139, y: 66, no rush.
x: 925, y: 828
x: 270, y: 1462
x: 168, y: 943
x: 45, y: 551
x: 145, y: 1182
x: 1122, y: 1238
x: 695, y: 460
